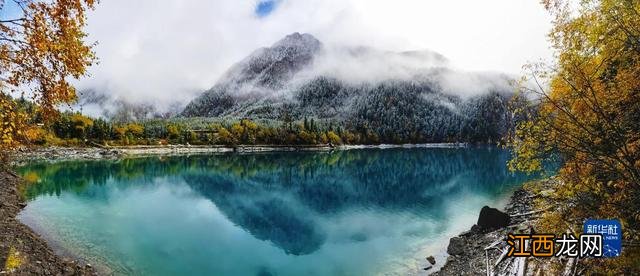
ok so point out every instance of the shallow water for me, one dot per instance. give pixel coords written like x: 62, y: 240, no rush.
x: 353, y: 212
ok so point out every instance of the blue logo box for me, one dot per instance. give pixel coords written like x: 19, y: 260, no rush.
x: 611, y: 231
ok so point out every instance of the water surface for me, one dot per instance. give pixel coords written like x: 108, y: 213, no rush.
x: 354, y: 212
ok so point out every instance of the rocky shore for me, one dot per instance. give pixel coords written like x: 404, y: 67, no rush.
x: 482, y: 251
x: 25, y: 154
x: 23, y: 252
x: 469, y: 251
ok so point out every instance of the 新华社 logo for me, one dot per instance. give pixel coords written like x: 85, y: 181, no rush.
x: 600, y: 238
x: 611, y: 232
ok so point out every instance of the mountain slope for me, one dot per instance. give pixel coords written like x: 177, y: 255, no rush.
x: 398, y: 97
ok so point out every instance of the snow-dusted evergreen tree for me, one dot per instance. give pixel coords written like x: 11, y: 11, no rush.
x: 279, y: 83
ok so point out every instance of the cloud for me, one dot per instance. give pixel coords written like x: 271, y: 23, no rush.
x: 170, y: 51
x: 364, y: 64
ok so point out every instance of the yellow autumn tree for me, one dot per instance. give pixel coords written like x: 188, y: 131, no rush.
x: 10, y: 123
x: 81, y: 125
x: 40, y: 49
x: 334, y: 138
x: 226, y: 137
x: 586, y: 115
x: 136, y: 130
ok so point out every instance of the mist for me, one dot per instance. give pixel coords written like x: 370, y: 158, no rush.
x: 164, y: 55
x: 365, y: 65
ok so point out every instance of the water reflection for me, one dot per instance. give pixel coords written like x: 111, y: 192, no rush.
x: 299, y: 202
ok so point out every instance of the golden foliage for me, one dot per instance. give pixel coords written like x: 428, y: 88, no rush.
x: 250, y: 125
x: 173, y: 132
x: 11, y: 123
x: 334, y: 138
x: 135, y: 129
x: 31, y: 177
x: 588, y: 113
x: 237, y: 130
x: 39, y: 51
x: 226, y: 137
x: 14, y: 260
x: 35, y: 134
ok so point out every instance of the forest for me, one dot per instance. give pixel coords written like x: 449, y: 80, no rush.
x: 75, y: 129
x: 488, y: 120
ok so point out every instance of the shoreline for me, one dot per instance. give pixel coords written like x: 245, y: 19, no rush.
x: 475, y: 251
x: 75, y: 266
x: 30, y: 253
x: 24, y: 155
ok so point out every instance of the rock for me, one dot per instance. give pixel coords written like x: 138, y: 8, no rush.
x: 431, y: 260
x: 68, y: 270
x: 456, y: 246
x: 475, y: 229
x: 492, y: 218
x: 451, y: 258
x: 475, y: 243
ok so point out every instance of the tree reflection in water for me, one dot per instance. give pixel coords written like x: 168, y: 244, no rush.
x: 279, y: 197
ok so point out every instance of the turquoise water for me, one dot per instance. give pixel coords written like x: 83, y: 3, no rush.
x: 353, y: 212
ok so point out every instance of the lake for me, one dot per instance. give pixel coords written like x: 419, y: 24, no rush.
x: 348, y: 212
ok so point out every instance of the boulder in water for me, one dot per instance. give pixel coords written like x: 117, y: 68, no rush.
x: 431, y: 260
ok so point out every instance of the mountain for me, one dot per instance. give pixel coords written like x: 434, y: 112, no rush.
x: 400, y: 97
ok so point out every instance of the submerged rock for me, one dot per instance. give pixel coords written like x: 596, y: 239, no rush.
x: 492, y: 218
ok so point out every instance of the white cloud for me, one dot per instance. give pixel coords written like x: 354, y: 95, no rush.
x: 166, y: 51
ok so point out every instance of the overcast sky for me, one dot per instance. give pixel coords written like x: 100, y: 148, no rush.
x: 173, y: 49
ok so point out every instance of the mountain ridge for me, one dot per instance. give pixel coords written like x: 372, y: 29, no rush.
x: 414, y: 95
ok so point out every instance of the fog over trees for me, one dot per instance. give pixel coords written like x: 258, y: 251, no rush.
x: 391, y: 97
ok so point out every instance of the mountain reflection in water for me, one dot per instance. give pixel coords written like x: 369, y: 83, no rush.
x: 298, y: 202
